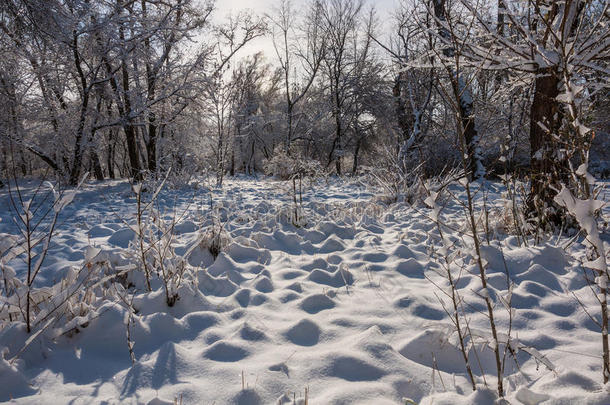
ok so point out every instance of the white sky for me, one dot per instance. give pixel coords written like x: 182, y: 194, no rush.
x: 223, y: 7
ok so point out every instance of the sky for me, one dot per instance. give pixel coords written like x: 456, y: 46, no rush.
x: 224, y: 7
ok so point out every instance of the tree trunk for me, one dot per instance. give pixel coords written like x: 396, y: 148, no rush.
x: 470, y: 132
x: 547, y: 168
x: 462, y: 93
x: 402, y: 116
x: 550, y: 166
x: 130, y: 133
x: 232, y: 170
x: 356, y: 152
x: 251, y: 159
x: 151, y: 145
x: 289, y: 132
x: 111, y: 153
x: 78, y: 150
x: 337, y: 142
x: 97, y: 166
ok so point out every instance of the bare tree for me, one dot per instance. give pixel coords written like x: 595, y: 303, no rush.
x: 451, y: 48
x: 300, y: 52
x: 344, y: 54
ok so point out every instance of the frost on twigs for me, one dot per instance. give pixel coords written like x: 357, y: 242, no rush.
x: 214, y: 239
x: 585, y: 211
x: 154, y: 247
x: 285, y: 167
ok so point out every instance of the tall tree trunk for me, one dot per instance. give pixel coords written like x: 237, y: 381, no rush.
x: 85, y: 92
x: 151, y: 142
x: 402, y: 116
x: 289, y: 135
x: 97, y: 166
x: 130, y: 132
x: 23, y: 164
x: 151, y: 145
x: 471, y: 135
x: 462, y: 94
x: 338, y: 134
x: 232, y: 170
x: 550, y: 167
x: 544, y: 122
x: 251, y: 159
x: 356, y: 152
x: 152, y: 74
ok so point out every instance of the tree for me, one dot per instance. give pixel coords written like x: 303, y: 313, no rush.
x: 299, y: 63
x: 564, y: 48
x: 450, y: 54
x: 344, y: 53
x: 413, y: 84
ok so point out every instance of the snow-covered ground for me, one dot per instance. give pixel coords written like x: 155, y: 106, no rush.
x: 344, y: 306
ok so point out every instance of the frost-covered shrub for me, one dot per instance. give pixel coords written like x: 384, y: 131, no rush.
x: 586, y: 212
x: 215, y: 239
x: 279, y: 165
x: 457, y: 256
x: 396, y: 184
x: 399, y: 184
x: 284, y: 166
x: 153, y: 248
x: 62, y: 308
x: 37, y: 213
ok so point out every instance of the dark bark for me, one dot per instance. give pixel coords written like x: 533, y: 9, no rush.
x: 550, y: 166
x: 546, y: 167
x: 337, y: 113
x: 112, y: 134
x: 152, y: 75
x: 251, y: 159
x: 151, y: 145
x: 97, y: 166
x: 130, y: 132
x: 470, y: 130
x: 402, y: 116
x: 232, y: 170
x: 356, y: 152
x: 78, y: 152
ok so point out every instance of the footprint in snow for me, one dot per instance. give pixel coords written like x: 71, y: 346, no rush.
x: 248, y: 332
x: 375, y: 257
x: 353, y: 369
x: 247, y: 396
x: 290, y: 296
x: 225, y: 352
x: 316, y: 303
x: 427, y: 312
x: 264, y: 285
x: 411, y: 268
x: 304, y: 333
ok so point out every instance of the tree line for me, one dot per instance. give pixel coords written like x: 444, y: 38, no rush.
x: 134, y: 88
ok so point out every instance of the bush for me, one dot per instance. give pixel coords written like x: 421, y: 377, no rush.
x: 285, y: 167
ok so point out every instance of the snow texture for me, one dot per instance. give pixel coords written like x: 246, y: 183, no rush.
x: 342, y: 305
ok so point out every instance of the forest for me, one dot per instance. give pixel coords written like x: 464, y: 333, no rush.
x: 405, y: 207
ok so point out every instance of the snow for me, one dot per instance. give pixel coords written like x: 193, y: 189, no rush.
x: 342, y: 306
